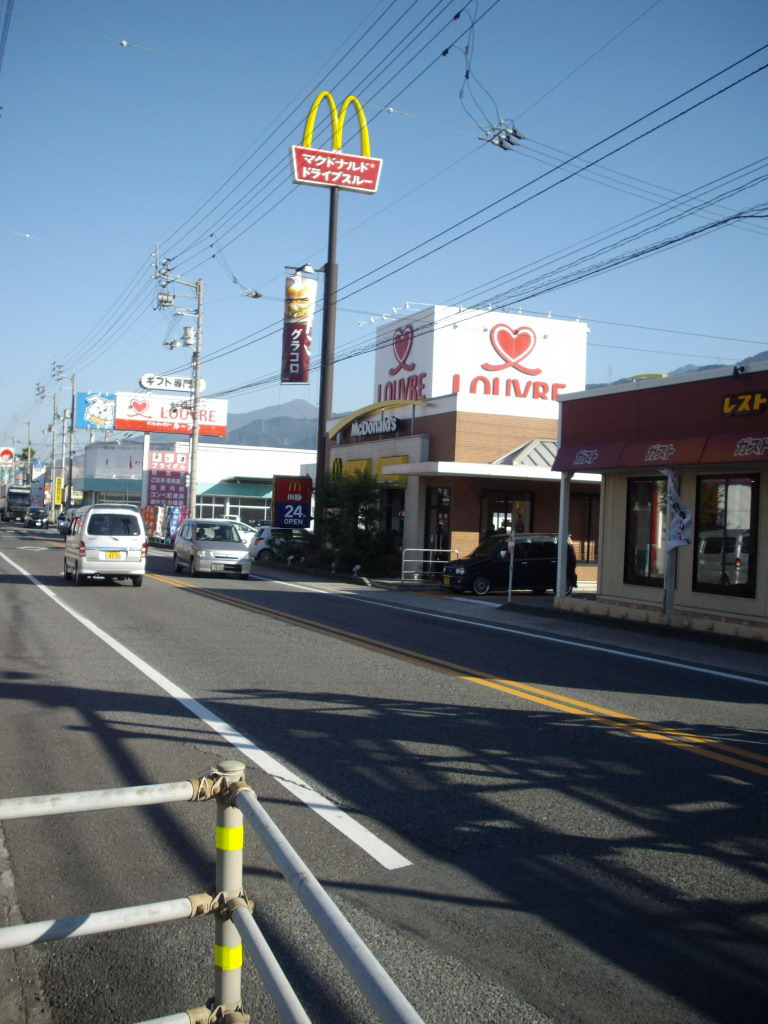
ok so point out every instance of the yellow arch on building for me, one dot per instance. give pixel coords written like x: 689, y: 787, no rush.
x: 376, y: 407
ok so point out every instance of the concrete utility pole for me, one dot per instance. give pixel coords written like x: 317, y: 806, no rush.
x: 193, y: 441
x: 29, y: 452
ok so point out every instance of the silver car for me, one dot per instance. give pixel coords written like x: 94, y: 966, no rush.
x: 207, y: 546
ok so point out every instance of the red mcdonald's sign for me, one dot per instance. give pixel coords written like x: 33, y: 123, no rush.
x: 333, y: 168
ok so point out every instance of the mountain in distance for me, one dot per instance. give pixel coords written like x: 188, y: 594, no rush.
x: 290, y: 425
x: 294, y: 424
x: 691, y: 368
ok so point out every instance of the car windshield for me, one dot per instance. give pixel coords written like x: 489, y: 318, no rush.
x: 220, y: 533
x: 112, y: 524
x: 489, y: 546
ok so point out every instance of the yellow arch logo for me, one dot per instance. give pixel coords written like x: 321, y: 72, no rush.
x: 332, y: 167
x: 337, y: 123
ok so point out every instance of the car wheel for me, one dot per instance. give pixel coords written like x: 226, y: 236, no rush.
x: 265, y: 555
x: 192, y: 570
x: 568, y: 588
x: 137, y: 580
x: 481, y: 585
x: 176, y: 565
x: 78, y: 577
x: 67, y: 573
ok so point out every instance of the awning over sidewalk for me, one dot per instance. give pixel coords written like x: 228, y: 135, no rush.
x: 669, y: 451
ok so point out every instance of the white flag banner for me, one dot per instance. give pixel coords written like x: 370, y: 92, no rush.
x: 678, y: 515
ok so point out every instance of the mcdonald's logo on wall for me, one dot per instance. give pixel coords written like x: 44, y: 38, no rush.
x: 331, y: 167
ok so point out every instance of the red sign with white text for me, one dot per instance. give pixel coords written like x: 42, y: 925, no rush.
x: 166, y: 415
x: 335, y: 170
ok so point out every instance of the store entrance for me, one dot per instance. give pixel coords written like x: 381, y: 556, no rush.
x: 437, y: 533
x: 505, y: 511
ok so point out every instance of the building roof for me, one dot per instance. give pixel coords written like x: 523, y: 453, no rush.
x: 539, y: 453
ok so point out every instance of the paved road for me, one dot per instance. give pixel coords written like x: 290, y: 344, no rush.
x: 535, y: 819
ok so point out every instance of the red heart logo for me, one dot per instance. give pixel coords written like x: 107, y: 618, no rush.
x: 401, y: 346
x: 512, y: 346
x: 138, y: 406
x: 402, y: 342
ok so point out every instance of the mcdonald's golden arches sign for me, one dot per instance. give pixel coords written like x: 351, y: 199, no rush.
x: 331, y: 167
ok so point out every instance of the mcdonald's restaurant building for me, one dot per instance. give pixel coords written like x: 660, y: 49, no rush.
x: 695, y: 556
x: 462, y: 428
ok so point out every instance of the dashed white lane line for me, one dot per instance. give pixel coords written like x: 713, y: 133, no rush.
x: 376, y: 848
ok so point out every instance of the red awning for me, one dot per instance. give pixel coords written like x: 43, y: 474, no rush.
x: 588, y: 458
x: 669, y: 451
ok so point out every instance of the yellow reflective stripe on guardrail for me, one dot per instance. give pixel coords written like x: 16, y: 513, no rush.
x: 229, y: 839
x: 228, y: 958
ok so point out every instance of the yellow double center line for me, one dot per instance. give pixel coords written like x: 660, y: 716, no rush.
x: 703, y: 746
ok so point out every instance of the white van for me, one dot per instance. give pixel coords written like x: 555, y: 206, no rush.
x: 106, y: 540
x: 723, y: 557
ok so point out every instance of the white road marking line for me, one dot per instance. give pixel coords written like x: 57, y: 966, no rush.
x: 376, y: 848
x: 528, y: 633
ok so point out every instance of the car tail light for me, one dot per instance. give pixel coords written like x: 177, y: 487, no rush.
x: 144, y: 550
x: 82, y: 549
x: 738, y: 563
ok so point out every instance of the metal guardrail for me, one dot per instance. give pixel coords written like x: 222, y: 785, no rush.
x: 233, y: 912
x: 425, y: 563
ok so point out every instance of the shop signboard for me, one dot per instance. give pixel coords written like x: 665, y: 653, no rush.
x: 95, y: 410
x: 494, y: 362
x: 167, y: 479
x: 169, y: 382
x: 164, y: 415
x: 291, y: 501
x: 331, y: 167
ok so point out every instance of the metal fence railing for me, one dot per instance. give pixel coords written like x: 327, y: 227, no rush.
x: 234, y: 925
x: 425, y: 563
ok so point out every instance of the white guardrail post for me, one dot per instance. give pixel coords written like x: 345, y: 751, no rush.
x: 228, y: 950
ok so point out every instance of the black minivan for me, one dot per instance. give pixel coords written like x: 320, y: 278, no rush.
x: 487, y: 568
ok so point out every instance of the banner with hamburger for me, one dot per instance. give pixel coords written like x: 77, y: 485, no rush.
x: 300, y: 294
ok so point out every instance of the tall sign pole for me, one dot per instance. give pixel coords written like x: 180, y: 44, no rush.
x: 334, y: 169
x: 325, y: 400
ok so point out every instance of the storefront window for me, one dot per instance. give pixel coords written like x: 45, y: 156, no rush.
x: 645, y: 547
x: 506, y: 511
x: 726, y: 535
x: 438, y: 520
x: 250, y: 510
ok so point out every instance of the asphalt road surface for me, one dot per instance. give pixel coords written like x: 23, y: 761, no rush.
x: 526, y: 818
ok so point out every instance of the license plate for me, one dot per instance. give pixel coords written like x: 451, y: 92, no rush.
x: 446, y: 581
x: 113, y: 554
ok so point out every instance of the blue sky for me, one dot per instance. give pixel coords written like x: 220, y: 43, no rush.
x: 182, y: 137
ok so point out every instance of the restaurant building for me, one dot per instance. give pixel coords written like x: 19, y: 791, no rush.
x: 462, y: 427
x: 683, y: 526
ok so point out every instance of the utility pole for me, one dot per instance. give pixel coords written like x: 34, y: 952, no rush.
x: 192, y: 337
x: 193, y: 441
x: 29, y: 452
x: 53, y: 458
x: 60, y: 375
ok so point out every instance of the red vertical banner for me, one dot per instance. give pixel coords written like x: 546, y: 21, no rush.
x: 300, y: 294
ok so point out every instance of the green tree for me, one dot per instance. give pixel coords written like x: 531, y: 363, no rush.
x: 351, y: 504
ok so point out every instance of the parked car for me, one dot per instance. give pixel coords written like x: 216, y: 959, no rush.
x: 534, y: 566
x: 211, y: 546
x: 36, y: 517
x: 268, y: 539
x: 64, y: 520
x: 106, y: 540
x: 723, y: 557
